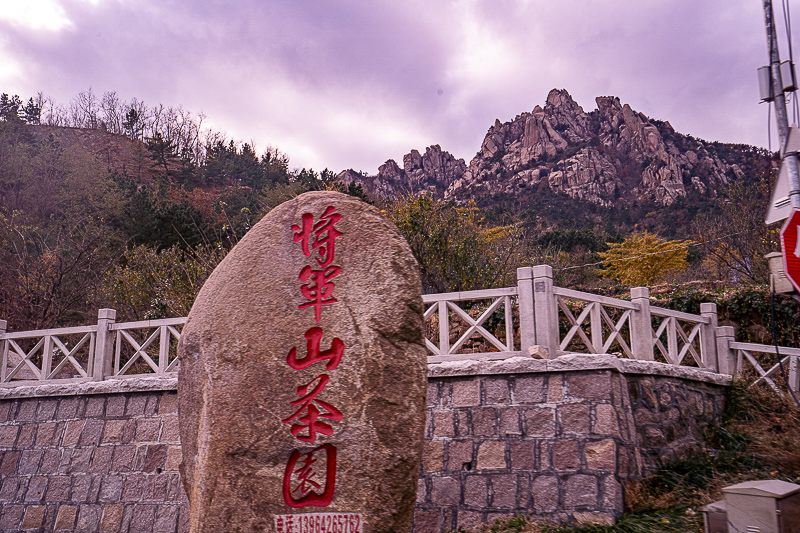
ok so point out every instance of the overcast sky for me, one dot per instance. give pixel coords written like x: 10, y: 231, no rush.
x: 352, y: 83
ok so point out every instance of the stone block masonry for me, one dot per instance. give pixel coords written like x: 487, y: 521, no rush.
x: 551, y: 439
x: 91, y: 463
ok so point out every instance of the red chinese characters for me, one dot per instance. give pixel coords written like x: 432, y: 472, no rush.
x: 319, y: 287
x: 301, y: 472
x: 305, y: 482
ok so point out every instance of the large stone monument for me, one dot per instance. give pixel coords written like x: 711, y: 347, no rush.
x: 303, y: 374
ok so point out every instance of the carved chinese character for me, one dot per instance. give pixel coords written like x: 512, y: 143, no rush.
x: 319, y: 289
x: 325, y: 235
x: 302, y: 486
x: 313, y: 354
x: 308, y: 414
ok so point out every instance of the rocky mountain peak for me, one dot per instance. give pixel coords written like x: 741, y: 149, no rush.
x: 613, y: 155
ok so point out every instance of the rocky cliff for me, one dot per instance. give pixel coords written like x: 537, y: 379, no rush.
x: 610, y: 156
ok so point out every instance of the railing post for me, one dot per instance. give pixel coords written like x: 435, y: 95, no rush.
x: 545, y: 310
x: 708, y: 341
x: 104, y: 345
x: 726, y: 358
x: 527, y: 324
x: 641, y: 325
x: 4, y: 348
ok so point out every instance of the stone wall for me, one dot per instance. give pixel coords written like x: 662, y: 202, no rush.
x: 552, y: 439
x: 92, y: 462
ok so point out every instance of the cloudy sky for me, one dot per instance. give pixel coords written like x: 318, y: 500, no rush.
x: 352, y: 83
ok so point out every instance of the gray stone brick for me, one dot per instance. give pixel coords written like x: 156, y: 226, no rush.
x: 580, y: 491
x: 422, y: 490
x: 445, y: 491
x: 183, y: 519
x: 115, y: 406
x: 112, y: 431
x: 432, y: 456
x: 168, y: 404
x: 67, y: 409
x: 166, y: 518
x: 574, y: 418
x: 443, y: 424
x: 176, y: 492
x: 540, y: 422
x: 566, y: 455
x: 523, y: 456
x: 463, y: 426
x: 5, y: 410
x: 432, y: 397
x: 136, y: 405
x: 92, y: 431
x: 123, y: 458
x: 605, y: 420
x: 459, y: 455
x: 95, y: 408
x: 170, y: 430
x: 81, y: 488
x: 590, y: 386
x: 58, y: 489
x: 88, y: 518
x: 72, y: 433
x: 110, y: 489
x: 469, y: 520
x: 9, y: 486
x: 504, y: 491
x: 545, y: 494
x: 133, y: 487
x: 151, y: 408
x: 483, y: 422
x: 26, y: 412
x: 101, y: 461
x: 8, y: 436
x: 509, y: 422
x: 491, y: 455
x: 65, y: 461
x: 476, y: 492
x: 601, y: 455
x: 157, y: 488
x: 529, y: 389
x: 36, y: 489
x: 27, y: 436
x: 147, y: 429
x: 111, y: 520
x: 555, y: 388
x: 47, y: 410
x: 65, y: 520
x: 143, y: 518
x: 466, y: 393
x: 8, y: 467
x: 428, y: 520
x: 495, y: 390
x: 44, y: 436
x: 81, y: 459
x: 11, y: 516
x: 156, y: 457
x: 34, y: 517
x: 29, y: 462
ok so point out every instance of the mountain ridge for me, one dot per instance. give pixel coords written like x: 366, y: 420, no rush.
x: 610, y: 157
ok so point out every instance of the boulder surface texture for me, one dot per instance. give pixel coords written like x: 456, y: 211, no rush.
x: 303, y: 375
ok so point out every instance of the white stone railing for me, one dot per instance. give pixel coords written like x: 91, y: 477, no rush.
x: 745, y: 353
x: 533, y: 318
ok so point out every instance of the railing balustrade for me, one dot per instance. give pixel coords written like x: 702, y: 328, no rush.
x: 533, y: 318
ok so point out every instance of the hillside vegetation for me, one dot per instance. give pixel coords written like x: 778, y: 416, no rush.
x: 106, y: 203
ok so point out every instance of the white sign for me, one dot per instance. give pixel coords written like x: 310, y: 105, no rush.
x: 319, y: 523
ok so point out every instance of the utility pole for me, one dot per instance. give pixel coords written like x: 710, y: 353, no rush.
x: 779, y: 99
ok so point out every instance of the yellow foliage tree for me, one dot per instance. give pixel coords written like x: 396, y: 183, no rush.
x: 643, y: 259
